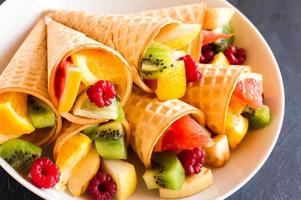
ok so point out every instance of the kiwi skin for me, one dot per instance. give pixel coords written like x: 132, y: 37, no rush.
x: 20, y: 154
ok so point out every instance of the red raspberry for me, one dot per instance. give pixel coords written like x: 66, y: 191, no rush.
x: 191, y: 68
x: 192, y: 160
x: 207, y: 54
x: 102, y: 93
x: 235, y: 56
x: 102, y: 187
x: 44, y: 173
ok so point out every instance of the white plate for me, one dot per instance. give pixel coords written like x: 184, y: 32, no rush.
x: 17, y: 17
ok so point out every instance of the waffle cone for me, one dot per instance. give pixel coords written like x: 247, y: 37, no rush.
x: 27, y: 73
x: 213, y: 92
x: 70, y: 129
x: 149, y: 118
x: 130, y: 35
x: 62, y: 41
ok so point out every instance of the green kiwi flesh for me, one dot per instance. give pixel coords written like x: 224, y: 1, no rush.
x: 258, y: 118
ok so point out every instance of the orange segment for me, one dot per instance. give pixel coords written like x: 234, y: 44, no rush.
x: 172, y: 83
x: 13, y: 111
x: 73, y: 80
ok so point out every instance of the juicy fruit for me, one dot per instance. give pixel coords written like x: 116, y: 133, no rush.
x: 258, y: 118
x: 13, y: 109
x: 102, y: 186
x: 102, y: 93
x: 40, y: 113
x: 217, y: 17
x: 80, y: 61
x: 167, y: 172
x: 20, y: 154
x: 236, y: 128
x: 218, y: 154
x: 70, y: 154
x: 192, y: 185
x: 177, y: 36
x: 207, y: 54
x: 156, y: 59
x: 222, y: 44
x: 191, y: 69
x: 172, y: 83
x: 192, y: 160
x: 220, y: 60
x: 60, y: 78
x: 81, y: 176
x: 184, y: 133
x: 235, y: 56
x: 109, y: 141
x: 249, y: 89
x: 72, y: 83
x: 84, y: 108
x: 44, y: 173
x: 211, y: 37
x: 123, y: 174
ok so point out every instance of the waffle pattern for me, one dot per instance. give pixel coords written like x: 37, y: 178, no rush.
x: 193, y: 13
x: 149, y: 118
x: 63, y: 41
x: 213, y: 92
x: 27, y: 73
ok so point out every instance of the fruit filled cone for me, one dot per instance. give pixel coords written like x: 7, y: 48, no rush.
x: 62, y: 42
x: 213, y: 92
x: 26, y: 74
x: 149, y: 118
x: 70, y: 129
x: 129, y: 34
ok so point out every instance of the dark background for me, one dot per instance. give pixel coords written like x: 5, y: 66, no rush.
x: 280, y: 178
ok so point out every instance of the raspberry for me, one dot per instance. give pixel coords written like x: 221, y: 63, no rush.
x: 44, y: 173
x: 102, y: 187
x: 102, y: 93
x: 192, y: 160
x: 207, y: 54
x: 191, y: 68
x: 235, y: 56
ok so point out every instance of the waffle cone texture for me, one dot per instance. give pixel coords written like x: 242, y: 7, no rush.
x: 63, y: 41
x: 149, y: 118
x: 213, y: 92
x: 27, y: 73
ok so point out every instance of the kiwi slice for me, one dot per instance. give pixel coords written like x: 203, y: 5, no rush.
x: 258, y: 118
x: 109, y: 140
x: 167, y: 172
x: 40, y: 113
x: 120, y: 112
x: 156, y: 59
x: 222, y: 44
x: 20, y: 154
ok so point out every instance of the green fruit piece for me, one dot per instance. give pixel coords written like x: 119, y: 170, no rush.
x: 40, y: 113
x: 20, y: 154
x: 222, y: 44
x: 156, y: 59
x: 177, y: 36
x: 89, y: 131
x: 258, y: 118
x: 109, y: 141
x: 120, y: 112
x: 167, y: 172
x: 85, y: 108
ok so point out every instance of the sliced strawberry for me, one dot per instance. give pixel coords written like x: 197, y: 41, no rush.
x: 210, y: 37
x: 60, y: 78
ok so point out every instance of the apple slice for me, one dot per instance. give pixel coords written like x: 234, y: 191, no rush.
x: 124, y: 175
x: 72, y: 83
x: 192, y: 185
x: 177, y: 36
x: 218, y: 154
x: 80, y: 176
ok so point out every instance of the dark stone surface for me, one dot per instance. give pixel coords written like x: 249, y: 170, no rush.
x: 280, y: 177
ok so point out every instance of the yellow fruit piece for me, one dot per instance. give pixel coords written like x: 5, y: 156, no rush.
x: 192, y: 185
x: 73, y: 80
x: 84, y: 171
x: 218, y: 154
x: 217, y: 17
x: 220, y: 59
x: 6, y: 137
x: 177, y: 36
x: 70, y: 154
x: 124, y: 175
x: 13, y: 112
x: 80, y: 61
x: 236, y: 128
x: 172, y: 83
